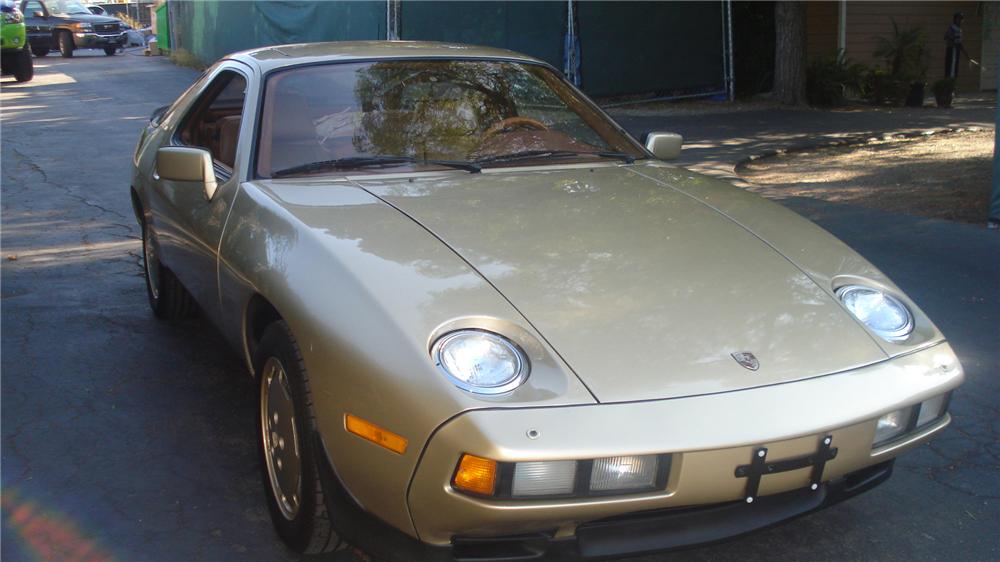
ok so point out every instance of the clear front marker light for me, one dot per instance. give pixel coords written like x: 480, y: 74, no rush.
x: 623, y: 473
x: 543, y: 478
x: 891, y: 426
x: 480, y: 361
x: 932, y: 410
x: 882, y: 313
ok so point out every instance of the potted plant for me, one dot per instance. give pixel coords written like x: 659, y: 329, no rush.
x: 905, y: 55
x: 944, y: 92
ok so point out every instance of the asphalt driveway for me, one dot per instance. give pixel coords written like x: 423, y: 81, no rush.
x: 128, y: 439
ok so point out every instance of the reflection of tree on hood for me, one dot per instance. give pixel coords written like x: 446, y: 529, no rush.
x: 431, y: 109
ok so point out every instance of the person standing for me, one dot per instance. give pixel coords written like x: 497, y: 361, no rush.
x: 954, y: 48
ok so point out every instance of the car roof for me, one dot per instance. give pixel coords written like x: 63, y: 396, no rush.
x: 269, y: 58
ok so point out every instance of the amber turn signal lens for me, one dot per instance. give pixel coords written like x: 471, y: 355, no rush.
x: 476, y: 475
x: 382, y: 437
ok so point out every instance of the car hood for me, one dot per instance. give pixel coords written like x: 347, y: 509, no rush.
x: 88, y: 18
x: 644, y: 291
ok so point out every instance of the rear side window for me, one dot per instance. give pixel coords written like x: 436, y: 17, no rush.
x: 213, y: 122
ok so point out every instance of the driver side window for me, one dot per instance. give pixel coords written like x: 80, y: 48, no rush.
x: 33, y: 6
x: 214, y: 120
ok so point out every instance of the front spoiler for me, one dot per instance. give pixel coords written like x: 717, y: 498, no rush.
x: 633, y: 534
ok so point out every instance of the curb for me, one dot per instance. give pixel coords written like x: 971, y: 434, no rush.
x: 852, y: 140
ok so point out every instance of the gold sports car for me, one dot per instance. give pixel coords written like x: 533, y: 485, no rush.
x: 486, y: 323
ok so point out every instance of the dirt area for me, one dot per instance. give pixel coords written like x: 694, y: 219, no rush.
x: 945, y: 176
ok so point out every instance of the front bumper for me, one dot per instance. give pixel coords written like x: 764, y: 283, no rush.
x: 670, y: 529
x: 90, y: 40
x: 709, y: 437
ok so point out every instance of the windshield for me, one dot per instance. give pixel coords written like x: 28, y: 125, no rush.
x: 365, y: 117
x: 63, y: 7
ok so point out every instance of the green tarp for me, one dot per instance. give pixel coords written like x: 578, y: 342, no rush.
x: 626, y: 47
x: 211, y: 29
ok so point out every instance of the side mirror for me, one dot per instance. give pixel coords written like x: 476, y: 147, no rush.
x: 38, y: 14
x: 665, y: 146
x: 178, y: 163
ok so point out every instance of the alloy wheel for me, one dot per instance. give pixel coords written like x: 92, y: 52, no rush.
x: 280, y: 438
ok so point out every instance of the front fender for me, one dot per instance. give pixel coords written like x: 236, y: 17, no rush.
x: 365, y: 290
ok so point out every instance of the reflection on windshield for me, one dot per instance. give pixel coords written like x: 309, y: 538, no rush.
x: 419, y: 111
x: 62, y: 7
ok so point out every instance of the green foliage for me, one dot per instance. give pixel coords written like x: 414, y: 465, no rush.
x: 833, y: 79
x: 905, y: 59
x: 881, y: 87
x: 905, y: 53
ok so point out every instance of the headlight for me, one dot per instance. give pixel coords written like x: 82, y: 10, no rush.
x: 882, y: 313
x: 82, y: 26
x: 481, y: 362
x: 13, y: 16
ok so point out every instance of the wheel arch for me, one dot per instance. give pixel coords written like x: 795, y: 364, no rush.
x: 137, y: 207
x: 258, y: 314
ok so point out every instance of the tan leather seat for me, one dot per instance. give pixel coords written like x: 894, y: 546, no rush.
x: 229, y: 131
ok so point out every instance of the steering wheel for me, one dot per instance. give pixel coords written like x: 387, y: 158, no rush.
x: 509, y: 124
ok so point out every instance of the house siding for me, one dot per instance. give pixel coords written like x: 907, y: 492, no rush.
x: 867, y: 21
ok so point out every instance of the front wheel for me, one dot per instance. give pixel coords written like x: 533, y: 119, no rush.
x: 25, y: 69
x: 110, y: 51
x: 286, y: 427
x: 65, y: 44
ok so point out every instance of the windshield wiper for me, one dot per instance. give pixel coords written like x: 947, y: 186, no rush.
x: 531, y: 154
x: 363, y: 161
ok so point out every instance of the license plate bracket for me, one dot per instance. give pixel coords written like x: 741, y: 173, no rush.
x: 759, y: 466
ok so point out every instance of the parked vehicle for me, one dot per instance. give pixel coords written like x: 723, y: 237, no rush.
x: 96, y: 10
x: 15, y: 57
x: 486, y: 323
x: 67, y: 25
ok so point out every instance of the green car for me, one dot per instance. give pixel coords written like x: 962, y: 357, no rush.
x: 16, y: 58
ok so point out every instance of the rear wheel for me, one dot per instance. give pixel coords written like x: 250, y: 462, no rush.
x: 289, y: 455
x: 24, y: 70
x: 167, y: 297
x: 65, y: 44
x: 110, y: 51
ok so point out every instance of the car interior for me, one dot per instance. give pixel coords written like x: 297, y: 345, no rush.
x: 214, y: 124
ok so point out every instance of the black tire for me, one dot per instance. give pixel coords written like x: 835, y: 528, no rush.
x: 65, y: 44
x: 25, y: 69
x: 311, y: 529
x: 39, y: 51
x: 110, y: 51
x: 170, y: 300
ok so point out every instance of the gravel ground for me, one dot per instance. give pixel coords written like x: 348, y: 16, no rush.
x: 945, y: 176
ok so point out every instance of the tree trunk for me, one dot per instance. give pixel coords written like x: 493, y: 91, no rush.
x: 790, y: 52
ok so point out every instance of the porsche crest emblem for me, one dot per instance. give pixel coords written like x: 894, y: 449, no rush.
x: 746, y: 359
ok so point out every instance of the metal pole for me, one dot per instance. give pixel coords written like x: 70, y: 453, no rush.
x: 842, y: 28
x: 392, y: 20
x: 729, y: 34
